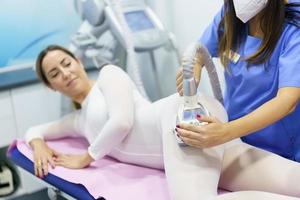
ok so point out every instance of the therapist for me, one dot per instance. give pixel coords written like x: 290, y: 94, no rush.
x: 258, y: 43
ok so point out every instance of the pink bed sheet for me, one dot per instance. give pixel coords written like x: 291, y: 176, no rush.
x: 107, y: 177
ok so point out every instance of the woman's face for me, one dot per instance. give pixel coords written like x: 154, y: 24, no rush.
x: 65, y: 73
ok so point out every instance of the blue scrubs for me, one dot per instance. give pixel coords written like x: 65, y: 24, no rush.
x: 247, y: 88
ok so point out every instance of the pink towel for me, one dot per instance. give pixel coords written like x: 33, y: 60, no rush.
x: 107, y: 177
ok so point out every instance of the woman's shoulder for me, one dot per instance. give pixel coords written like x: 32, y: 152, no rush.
x: 110, y: 69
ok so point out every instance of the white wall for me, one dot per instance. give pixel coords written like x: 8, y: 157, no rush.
x: 22, y: 108
x: 187, y: 20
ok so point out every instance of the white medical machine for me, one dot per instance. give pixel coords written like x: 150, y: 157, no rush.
x: 6, y: 181
x: 116, y: 31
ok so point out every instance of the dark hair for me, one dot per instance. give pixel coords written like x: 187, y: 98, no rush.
x: 39, y: 67
x: 38, y: 64
x: 232, y: 31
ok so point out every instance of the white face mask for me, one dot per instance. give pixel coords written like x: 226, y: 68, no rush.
x: 246, y: 9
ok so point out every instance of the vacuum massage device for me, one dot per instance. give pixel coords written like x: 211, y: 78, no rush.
x: 111, y: 26
x: 191, y: 106
x: 121, y: 32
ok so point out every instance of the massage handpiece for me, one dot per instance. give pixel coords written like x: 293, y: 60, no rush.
x: 189, y: 116
x: 191, y: 107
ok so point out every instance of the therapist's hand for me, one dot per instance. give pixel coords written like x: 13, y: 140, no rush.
x: 204, y: 136
x: 179, y: 78
x: 42, y: 155
x: 179, y: 81
x: 78, y: 161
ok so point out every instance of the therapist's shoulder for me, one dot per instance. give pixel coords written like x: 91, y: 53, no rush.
x: 290, y: 39
x: 291, y: 32
x: 293, y: 1
x: 209, y: 38
x: 219, y: 15
x: 292, y: 13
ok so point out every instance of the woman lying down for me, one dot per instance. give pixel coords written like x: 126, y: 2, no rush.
x: 117, y: 121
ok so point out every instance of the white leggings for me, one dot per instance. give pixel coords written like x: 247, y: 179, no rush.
x: 248, y: 168
x: 249, y: 172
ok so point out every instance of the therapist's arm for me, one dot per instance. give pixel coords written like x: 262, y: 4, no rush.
x: 216, y: 132
x: 197, y: 74
x: 283, y: 104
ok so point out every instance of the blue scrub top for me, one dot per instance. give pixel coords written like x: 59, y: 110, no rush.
x: 247, y: 88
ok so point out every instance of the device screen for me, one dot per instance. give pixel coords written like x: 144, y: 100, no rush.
x: 138, y: 21
x: 189, y: 115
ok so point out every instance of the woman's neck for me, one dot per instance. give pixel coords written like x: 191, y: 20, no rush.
x: 87, y: 88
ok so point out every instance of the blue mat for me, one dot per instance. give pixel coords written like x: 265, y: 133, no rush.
x: 75, y: 190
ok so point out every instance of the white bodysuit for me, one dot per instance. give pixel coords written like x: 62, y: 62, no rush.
x: 117, y: 121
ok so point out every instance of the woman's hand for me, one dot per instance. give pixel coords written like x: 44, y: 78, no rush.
x: 73, y: 161
x: 204, y: 136
x: 43, y: 155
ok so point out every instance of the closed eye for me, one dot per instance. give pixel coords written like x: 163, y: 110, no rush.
x: 53, y: 75
x: 68, y: 64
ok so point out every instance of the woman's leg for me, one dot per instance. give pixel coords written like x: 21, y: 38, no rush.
x: 248, y: 168
x: 251, y: 195
x: 192, y: 173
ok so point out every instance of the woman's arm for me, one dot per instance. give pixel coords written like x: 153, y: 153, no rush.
x: 117, y: 89
x: 216, y: 132
x: 42, y: 153
x: 60, y: 128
